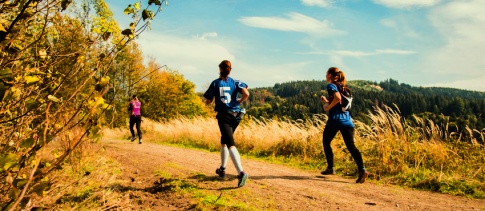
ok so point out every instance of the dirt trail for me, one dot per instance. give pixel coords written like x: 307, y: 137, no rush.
x: 270, y: 186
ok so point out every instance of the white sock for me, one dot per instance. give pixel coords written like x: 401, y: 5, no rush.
x: 236, y: 159
x: 224, y: 156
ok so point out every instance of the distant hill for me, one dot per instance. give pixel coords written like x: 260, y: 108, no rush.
x: 300, y: 100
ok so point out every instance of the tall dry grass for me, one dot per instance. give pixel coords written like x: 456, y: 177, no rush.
x: 259, y: 137
x: 413, y: 152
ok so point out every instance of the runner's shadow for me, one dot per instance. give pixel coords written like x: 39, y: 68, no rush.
x: 330, y: 179
x: 317, y: 178
x: 229, y: 177
x: 280, y: 177
x: 204, y: 178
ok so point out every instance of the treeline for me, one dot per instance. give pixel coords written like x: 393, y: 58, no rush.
x: 453, y: 108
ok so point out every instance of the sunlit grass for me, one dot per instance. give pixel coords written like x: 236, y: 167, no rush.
x: 415, y: 153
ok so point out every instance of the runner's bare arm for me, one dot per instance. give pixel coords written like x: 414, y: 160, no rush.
x: 335, y: 101
x: 245, y: 95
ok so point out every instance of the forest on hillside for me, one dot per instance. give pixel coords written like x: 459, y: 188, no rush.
x: 452, y: 108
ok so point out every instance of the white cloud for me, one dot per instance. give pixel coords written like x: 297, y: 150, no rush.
x: 394, y: 51
x: 364, y: 53
x: 267, y: 74
x: 194, y: 57
x: 475, y: 84
x: 462, y: 27
x: 389, y: 23
x: 206, y: 35
x: 401, y: 28
x: 376, y: 52
x: 318, y: 3
x: 295, y: 22
x: 406, y: 4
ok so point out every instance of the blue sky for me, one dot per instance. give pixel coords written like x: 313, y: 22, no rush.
x: 417, y: 42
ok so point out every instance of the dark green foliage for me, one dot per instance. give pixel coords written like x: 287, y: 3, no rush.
x: 300, y: 100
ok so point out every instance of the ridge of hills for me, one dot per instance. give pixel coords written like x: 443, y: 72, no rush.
x: 300, y: 100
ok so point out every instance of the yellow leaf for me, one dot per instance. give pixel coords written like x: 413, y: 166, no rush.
x: 99, y: 100
x: 42, y: 53
x: 31, y: 79
x: 80, y: 59
x: 16, y: 92
x: 2, y: 28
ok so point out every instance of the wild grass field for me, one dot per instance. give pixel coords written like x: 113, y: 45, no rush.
x: 414, y: 153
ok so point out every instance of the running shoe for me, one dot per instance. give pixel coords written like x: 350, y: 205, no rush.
x: 221, y: 172
x: 328, y: 171
x: 363, y: 174
x: 140, y: 141
x: 133, y: 138
x: 241, y: 179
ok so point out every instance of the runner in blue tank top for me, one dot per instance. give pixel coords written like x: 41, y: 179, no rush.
x: 339, y: 120
x: 224, y: 91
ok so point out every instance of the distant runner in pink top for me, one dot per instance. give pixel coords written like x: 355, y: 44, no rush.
x: 135, y: 118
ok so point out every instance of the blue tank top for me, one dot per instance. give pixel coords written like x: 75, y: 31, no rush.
x: 225, y: 93
x: 336, y: 117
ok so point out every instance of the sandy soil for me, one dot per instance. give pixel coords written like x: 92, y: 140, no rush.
x: 269, y: 187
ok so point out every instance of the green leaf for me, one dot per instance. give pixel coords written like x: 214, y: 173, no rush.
x: 8, y: 161
x: 6, y: 73
x: 41, y: 187
x: 19, y: 183
x: 31, y: 104
x: 27, y: 143
x: 3, y: 89
x: 14, y: 193
x: 14, y: 48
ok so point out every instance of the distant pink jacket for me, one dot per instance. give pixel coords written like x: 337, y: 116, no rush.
x: 135, y: 108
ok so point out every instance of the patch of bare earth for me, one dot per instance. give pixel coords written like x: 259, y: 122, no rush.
x: 269, y: 187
